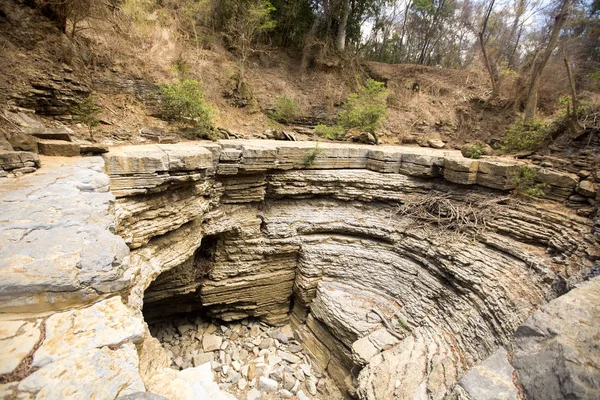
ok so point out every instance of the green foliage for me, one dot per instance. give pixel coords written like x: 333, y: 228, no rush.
x: 335, y: 132
x: 524, y: 136
x: 87, y: 113
x: 365, y: 110
x: 402, y: 324
x: 474, y: 151
x: 181, y: 68
x: 184, y: 101
x: 312, y: 155
x: 595, y: 77
x: 524, y: 181
x: 284, y: 110
x: 506, y: 71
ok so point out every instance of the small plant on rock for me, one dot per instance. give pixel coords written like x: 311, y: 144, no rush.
x: 524, y: 180
x: 284, y: 110
x: 312, y: 155
x: 87, y: 113
x: 473, y: 151
x: 183, y: 101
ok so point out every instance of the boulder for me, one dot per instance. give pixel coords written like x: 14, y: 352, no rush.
x: 51, y: 134
x: 556, y: 350
x: 93, y: 148
x: 491, y: 379
x: 476, y: 149
x: 10, y: 160
x: 157, y: 135
x: 436, y: 143
x: 59, y: 148
x: 22, y: 141
x: 587, y: 188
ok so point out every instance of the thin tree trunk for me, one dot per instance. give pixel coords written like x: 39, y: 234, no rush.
x: 536, y: 75
x: 574, y: 126
x: 341, y: 35
x: 486, y: 59
x: 308, y: 43
x: 425, y: 47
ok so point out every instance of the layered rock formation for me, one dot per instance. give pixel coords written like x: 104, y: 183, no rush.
x: 400, y: 268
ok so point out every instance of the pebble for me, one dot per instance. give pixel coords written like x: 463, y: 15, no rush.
x: 242, y: 383
x: 311, y: 387
x: 285, y: 394
x: 302, y: 396
x: 253, y: 394
x: 306, y: 369
x: 267, y: 384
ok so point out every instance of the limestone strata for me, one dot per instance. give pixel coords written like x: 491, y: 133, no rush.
x: 387, y: 303
x: 328, y: 234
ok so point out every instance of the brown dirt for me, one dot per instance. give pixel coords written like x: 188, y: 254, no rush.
x: 424, y: 103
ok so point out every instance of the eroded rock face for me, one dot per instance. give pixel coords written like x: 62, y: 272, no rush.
x: 390, y: 303
x: 556, y: 350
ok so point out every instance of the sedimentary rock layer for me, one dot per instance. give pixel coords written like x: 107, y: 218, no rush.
x: 399, y: 267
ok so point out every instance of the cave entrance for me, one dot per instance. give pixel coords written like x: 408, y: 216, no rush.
x: 175, y: 293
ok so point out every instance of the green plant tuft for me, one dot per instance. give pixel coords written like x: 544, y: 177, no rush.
x: 334, y: 132
x: 87, y: 113
x: 183, y: 101
x: 311, y: 156
x: 524, y: 179
x: 474, y: 151
x: 365, y: 110
x: 284, y: 110
x: 525, y: 136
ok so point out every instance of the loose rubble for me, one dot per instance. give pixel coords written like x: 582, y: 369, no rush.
x: 249, y: 359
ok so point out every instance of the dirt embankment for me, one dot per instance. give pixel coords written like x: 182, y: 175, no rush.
x: 49, y: 72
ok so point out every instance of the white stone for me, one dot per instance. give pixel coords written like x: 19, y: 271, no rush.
x: 253, y: 394
x: 211, y: 342
x: 267, y: 385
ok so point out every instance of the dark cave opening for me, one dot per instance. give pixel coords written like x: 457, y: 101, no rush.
x: 175, y: 292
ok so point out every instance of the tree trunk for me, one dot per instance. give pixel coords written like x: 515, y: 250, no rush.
x: 540, y: 64
x: 574, y: 126
x: 341, y: 35
x: 308, y: 44
x: 486, y: 59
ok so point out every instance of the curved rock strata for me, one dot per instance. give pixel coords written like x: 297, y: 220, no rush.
x: 390, y: 302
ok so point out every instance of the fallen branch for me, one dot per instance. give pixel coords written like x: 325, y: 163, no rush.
x: 388, y: 326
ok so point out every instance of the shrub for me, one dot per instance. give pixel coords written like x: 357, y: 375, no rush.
x: 311, y: 156
x: 284, y: 110
x: 335, y: 132
x: 473, y: 151
x: 184, y: 101
x: 524, y: 180
x: 87, y: 113
x: 365, y: 110
x: 524, y: 136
